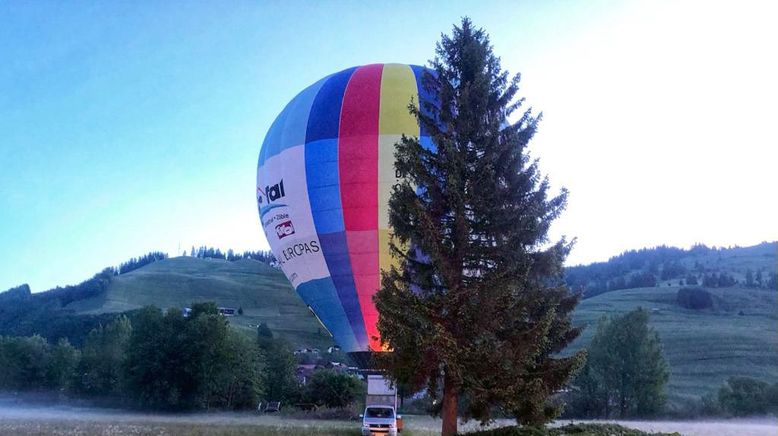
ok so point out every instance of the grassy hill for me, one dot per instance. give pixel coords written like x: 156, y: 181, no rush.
x: 702, y: 347
x: 263, y: 292
x: 737, y: 337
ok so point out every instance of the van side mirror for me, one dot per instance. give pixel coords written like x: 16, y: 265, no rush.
x: 361, y: 415
x: 399, y: 417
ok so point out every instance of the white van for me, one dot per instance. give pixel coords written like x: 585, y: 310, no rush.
x: 380, y: 420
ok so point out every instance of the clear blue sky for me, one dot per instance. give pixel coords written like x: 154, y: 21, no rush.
x: 127, y: 127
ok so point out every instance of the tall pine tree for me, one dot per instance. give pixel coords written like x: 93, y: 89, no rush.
x: 478, y: 303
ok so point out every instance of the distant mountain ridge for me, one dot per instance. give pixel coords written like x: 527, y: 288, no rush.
x: 752, y: 267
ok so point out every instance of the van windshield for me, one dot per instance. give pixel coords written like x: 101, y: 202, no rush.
x: 379, y: 412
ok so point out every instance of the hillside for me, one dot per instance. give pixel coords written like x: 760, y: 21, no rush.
x: 737, y: 337
x: 262, y: 291
x: 752, y: 267
x: 702, y: 347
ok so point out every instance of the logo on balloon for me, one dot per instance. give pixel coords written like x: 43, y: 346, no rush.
x: 272, y: 193
x: 269, y: 195
x: 284, y: 229
x: 298, y: 250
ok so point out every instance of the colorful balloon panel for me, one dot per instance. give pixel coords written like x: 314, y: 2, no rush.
x: 325, y: 174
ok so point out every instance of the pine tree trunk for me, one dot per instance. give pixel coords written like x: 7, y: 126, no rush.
x: 449, y: 411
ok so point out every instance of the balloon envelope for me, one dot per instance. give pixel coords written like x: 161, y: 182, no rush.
x: 325, y: 174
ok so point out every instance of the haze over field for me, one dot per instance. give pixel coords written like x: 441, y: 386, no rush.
x: 657, y: 116
x: 27, y: 419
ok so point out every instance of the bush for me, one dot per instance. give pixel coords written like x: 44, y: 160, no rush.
x: 771, y: 397
x: 740, y: 396
x: 512, y: 431
x: 743, y: 396
x: 330, y: 389
x: 705, y: 406
x: 571, y: 429
x: 694, y: 298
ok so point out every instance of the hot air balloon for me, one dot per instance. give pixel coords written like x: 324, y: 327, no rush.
x: 324, y: 177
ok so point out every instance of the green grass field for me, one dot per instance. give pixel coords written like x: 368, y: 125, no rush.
x: 64, y: 420
x: 22, y: 419
x: 703, y: 348
x: 262, y: 291
x: 86, y: 428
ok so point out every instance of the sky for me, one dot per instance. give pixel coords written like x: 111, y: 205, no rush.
x: 128, y: 127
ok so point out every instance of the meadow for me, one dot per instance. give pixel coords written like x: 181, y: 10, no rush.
x: 261, y: 291
x: 703, y: 348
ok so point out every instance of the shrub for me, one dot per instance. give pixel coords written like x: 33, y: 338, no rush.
x: 705, y: 406
x: 571, y: 429
x: 743, y: 396
x: 330, y: 389
x: 771, y: 397
x: 512, y: 431
x: 694, y: 298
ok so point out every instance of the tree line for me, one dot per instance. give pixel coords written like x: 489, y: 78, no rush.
x: 23, y: 313
x: 137, y: 262
x: 756, y: 279
x: 646, y: 267
x: 230, y: 255
x: 158, y: 360
x: 167, y: 361
x: 600, y: 277
x: 202, y: 252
